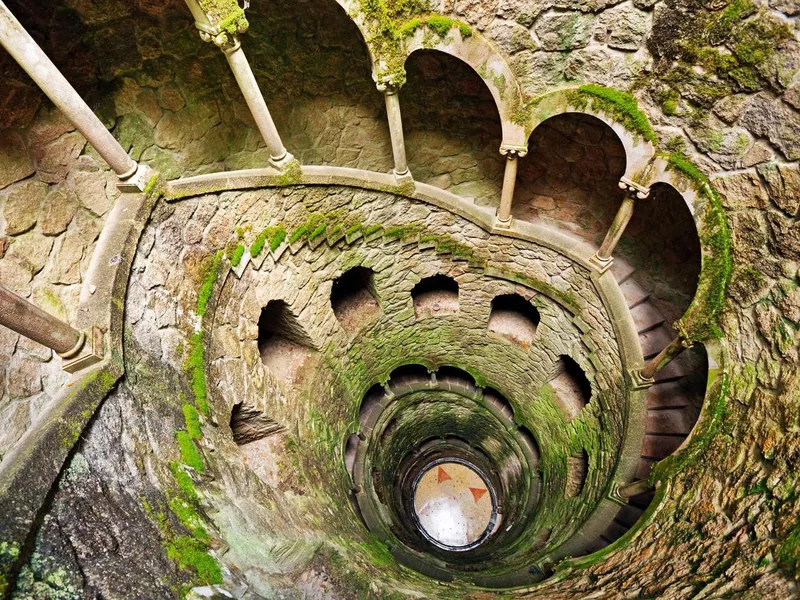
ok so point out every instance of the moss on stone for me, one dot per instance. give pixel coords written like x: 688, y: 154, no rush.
x: 190, y: 455
x: 702, y: 320
x: 439, y: 24
x: 621, y: 106
x: 192, y: 421
x: 236, y: 255
x: 209, y: 277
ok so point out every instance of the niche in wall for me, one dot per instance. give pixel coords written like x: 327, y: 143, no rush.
x: 354, y: 299
x: 577, y: 472
x: 571, y: 388
x: 282, y: 342
x: 514, y: 318
x: 435, y: 297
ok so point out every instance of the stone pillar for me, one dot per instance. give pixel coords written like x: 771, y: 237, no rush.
x: 602, y: 259
x: 21, y: 46
x: 512, y: 154
x: 215, y: 28
x: 645, y: 377
x: 26, y: 319
x: 391, y: 95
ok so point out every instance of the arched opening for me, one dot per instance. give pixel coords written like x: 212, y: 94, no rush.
x: 354, y: 299
x: 350, y: 450
x: 435, y: 297
x: 662, y: 244
x: 571, y: 388
x: 570, y: 177
x: 452, y: 127
x: 577, y: 472
x: 314, y: 69
x: 370, y: 405
x: 514, y: 318
x: 282, y: 342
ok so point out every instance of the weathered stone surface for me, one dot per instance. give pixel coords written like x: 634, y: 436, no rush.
x: 783, y: 184
x: 622, y: 28
x: 22, y: 206
x: 15, y: 164
x: 559, y: 31
x: 90, y: 189
x: 31, y: 250
x: 742, y: 190
x: 57, y: 210
x: 787, y: 235
x: 476, y: 12
x: 24, y: 377
x: 776, y: 121
x: 72, y: 249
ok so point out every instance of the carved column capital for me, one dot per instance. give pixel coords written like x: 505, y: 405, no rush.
x: 633, y: 189
x: 389, y: 84
x: 513, y: 151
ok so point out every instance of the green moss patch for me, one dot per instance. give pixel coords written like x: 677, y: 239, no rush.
x: 236, y: 255
x: 702, y: 320
x: 621, y: 106
x: 190, y: 455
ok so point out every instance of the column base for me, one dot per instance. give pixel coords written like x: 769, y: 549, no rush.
x: 403, y: 179
x: 640, y: 382
x: 283, y: 162
x: 601, y: 264
x: 90, y: 354
x: 137, y: 181
x: 503, y: 223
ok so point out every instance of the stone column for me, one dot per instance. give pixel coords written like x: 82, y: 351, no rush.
x: 602, y: 259
x: 391, y: 95
x: 512, y: 154
x: 663, y: 358
x: 229, y: 43
x: 27, y: 319
x: 21, y: 46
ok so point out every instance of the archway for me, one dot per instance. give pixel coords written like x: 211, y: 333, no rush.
x: 452, y: 126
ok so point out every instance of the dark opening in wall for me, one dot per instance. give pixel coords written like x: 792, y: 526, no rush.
x: 454, y: 375
x: 435, y: 296
x: 571, y: 387
x: 514, y: 318
x: 249, y: 424
x: 571, y: 175
x: 370, y: 405
x: 577, y: 472
x: 350, y: 450
x: 354, y: 299
x: 499, y: 401
x: 663, y: 246
x: 282, y: 342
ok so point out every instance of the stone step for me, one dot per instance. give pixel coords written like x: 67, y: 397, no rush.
x: 672, y: 372
x: 628, y: 515
x: 654, y: 341
x: 647, y: 317
x: 615, y: 530
x: 621, y: 270
x: 658, y: 446
x: 667, y: 394
x: 670, y: 421
x: 633, y: 293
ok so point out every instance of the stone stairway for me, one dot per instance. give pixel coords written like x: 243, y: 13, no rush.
x: 672, y: 405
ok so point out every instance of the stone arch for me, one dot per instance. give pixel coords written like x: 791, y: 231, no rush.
x: 452, y: 126
x: 477, y: 52
x: 570, y: 177
x: 639, y: 152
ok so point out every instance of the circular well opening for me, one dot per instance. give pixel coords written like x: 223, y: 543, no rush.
x: 455, y: 508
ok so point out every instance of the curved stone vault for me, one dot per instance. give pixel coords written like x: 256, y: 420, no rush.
x: 279, y: 282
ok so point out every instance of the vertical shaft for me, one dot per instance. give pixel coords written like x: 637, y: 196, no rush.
x: 26, y: 319
x: 21, y: 46
x: 395, y: 118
